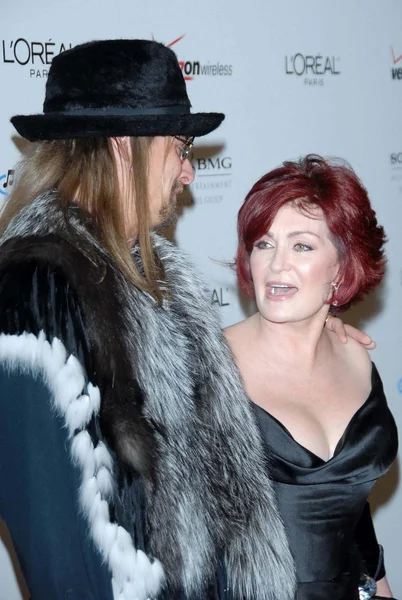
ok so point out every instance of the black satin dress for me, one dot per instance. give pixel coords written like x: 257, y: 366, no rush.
x: 322, y: 502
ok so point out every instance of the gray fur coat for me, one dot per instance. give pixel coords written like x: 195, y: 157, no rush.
x: 156, y: 391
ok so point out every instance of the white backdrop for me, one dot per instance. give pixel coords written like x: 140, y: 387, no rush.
x: 292, y: 77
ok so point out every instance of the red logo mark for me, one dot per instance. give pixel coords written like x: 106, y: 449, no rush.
x: 175, y: 41
x: 181, y: 62
x: 397, y: 59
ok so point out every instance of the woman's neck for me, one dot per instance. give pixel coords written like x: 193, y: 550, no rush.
x: 305, y: 343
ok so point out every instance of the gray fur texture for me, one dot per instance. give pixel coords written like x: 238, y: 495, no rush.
x: 210, y: 492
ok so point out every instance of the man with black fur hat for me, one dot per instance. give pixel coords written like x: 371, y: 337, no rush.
x: 130, y: 464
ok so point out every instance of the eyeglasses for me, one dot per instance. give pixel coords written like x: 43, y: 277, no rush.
x: 185, y: 149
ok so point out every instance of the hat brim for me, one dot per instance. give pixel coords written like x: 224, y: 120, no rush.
x: 66, y: 126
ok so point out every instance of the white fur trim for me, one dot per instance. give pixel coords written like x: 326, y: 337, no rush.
x: 134, y: 576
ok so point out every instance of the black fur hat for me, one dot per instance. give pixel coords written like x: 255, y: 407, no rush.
x: 115, y: 88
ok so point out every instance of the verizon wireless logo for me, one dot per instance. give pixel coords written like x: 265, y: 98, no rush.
x: 193, y: 68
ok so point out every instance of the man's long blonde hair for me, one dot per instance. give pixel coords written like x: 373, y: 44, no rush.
x: 85, y: 170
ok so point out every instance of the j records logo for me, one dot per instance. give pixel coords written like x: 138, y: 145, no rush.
x: 312, y: 69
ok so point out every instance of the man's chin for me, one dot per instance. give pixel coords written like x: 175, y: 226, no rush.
x: 168, y: 214
x: 167, y: 221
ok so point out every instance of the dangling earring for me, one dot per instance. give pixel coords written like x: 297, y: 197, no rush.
x: 335, y: 288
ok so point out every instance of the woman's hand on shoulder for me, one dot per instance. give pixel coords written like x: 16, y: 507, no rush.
x: 345, y: 331
x: 383, y: 589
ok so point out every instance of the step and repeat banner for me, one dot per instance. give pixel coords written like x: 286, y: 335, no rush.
x: 292, y: 77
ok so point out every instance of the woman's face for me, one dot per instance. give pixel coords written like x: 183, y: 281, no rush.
x: 293, y: 266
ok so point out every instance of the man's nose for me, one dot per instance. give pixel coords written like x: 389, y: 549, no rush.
x: 187, y: 172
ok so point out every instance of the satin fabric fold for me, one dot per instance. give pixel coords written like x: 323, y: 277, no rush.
x: 321, y: 502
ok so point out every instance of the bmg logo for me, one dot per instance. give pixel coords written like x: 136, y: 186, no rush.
x: 219, y: 163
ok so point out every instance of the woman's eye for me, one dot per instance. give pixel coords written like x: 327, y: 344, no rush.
x: 262, y: 245
x: 302, y: 247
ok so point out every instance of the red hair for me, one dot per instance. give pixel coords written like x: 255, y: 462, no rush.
x: 338, y: 192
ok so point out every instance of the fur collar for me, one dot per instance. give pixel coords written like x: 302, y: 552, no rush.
x: 177, y: 412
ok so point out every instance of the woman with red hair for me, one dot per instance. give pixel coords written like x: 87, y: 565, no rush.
x: 308, y: 241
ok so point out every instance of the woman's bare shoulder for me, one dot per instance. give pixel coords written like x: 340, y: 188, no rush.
x: 353, y: 354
